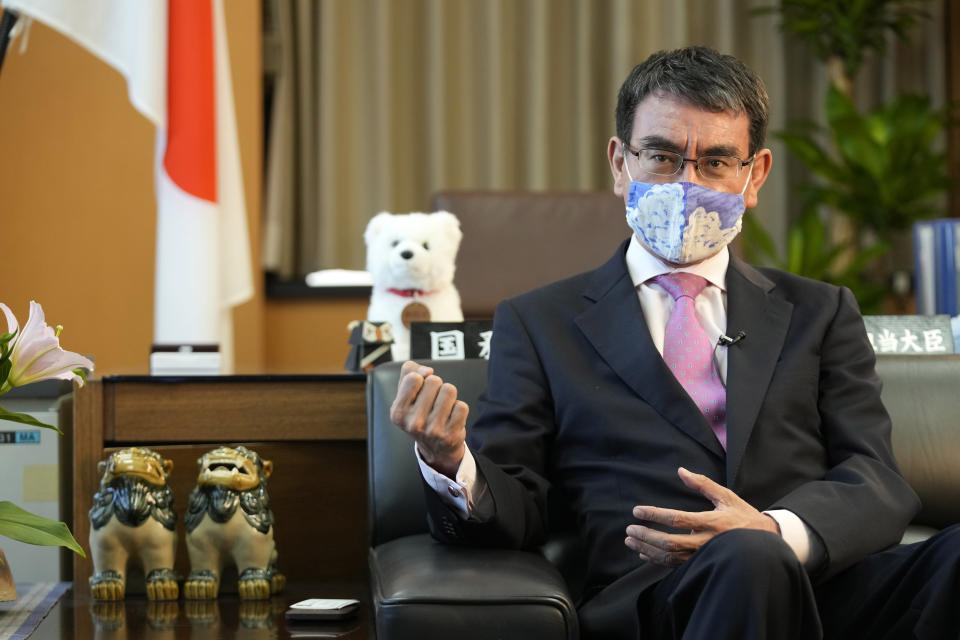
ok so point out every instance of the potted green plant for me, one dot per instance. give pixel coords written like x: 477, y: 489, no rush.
x: 878, y: 171
x: 885, y: 170
x: 842, y: 32
x: 27, y: 356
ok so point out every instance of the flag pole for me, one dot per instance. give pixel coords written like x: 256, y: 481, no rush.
x: 6, y: 26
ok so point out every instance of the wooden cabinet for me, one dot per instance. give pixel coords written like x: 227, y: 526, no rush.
x: 313, y: 428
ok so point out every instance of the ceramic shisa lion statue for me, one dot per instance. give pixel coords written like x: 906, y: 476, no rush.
x: 228, y: 519
x: 132, y: 522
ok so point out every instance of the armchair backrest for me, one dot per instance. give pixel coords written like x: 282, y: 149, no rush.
x: 395, y: 500
x: 920, y: 393
x: 514, y: 241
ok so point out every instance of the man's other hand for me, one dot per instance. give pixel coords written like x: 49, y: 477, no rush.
x: 427, y: 408
x: 673, y: 549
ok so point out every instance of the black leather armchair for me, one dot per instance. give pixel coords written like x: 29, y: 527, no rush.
x: 422, y: 589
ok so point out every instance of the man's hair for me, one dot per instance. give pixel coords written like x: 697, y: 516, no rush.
x: 702, y: 77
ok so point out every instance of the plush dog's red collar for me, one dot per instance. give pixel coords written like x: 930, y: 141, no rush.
x: 410, y: 293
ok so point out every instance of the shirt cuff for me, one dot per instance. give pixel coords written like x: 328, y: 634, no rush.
x: 456, y: 494
x: 794, y: 532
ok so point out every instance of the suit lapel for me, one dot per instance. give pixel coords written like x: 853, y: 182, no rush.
x: 615, y: 327
x: 764, y: 318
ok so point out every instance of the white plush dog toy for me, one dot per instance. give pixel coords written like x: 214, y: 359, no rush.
x: 411, y: 258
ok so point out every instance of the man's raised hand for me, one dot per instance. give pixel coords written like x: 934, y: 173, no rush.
x: 427, y: 408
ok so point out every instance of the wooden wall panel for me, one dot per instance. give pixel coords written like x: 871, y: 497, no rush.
x: 78, y: 209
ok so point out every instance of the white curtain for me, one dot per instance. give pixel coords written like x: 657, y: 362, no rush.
x: 378, y: 103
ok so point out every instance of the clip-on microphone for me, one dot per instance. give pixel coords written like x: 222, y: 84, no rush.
x: 726, y: 341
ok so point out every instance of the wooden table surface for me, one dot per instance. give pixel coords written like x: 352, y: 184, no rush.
x: 76, y: 617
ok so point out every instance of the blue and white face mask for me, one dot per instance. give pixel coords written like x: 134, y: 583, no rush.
x: 684, y: 222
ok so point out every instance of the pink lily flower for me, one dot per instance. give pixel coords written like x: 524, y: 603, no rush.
x: 36, y: 354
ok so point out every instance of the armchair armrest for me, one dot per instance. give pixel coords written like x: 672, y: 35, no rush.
x: 416, y: 579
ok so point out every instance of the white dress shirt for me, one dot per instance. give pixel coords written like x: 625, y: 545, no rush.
x: 465, y: 494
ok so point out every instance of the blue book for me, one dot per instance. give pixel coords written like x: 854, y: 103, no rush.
x: 936, y: 262
x: 946, y: 269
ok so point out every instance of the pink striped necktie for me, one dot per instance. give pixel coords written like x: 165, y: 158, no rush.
x: 688, y: 351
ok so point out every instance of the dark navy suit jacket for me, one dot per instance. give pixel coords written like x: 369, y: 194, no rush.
x: 581, y: 411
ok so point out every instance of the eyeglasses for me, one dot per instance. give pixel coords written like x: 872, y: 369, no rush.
x: 667, y: 163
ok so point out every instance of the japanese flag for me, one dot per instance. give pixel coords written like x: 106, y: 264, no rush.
x: 174, y: 56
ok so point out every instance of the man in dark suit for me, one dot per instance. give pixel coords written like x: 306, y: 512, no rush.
x: 715, y: 429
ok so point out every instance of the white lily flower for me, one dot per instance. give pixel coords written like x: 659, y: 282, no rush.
x: 12, y: 325
x: 36, y: 353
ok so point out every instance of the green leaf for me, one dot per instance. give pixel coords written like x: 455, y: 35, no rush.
x: 795, y: 250
x: 866, y: 255
x: 814, y: 235
x: 839, y: 105
x: 809, y: 152
x: 24, y: 526
x: 23, y: 418
x: 758, y: 245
